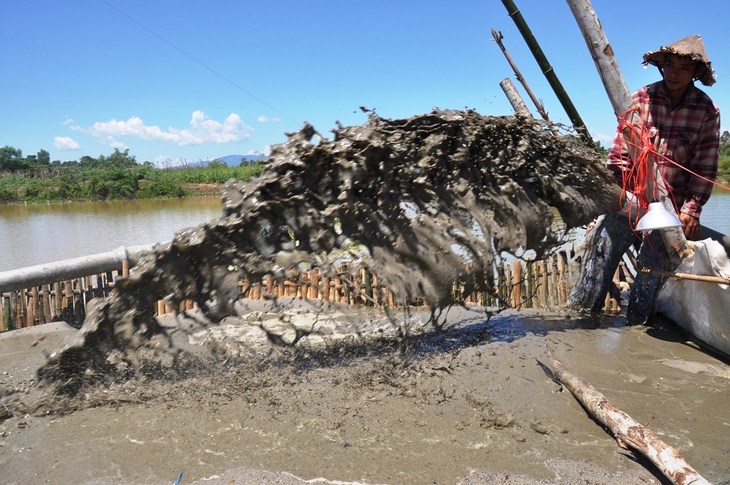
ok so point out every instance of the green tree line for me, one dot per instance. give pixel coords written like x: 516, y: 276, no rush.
x: 35, y: 178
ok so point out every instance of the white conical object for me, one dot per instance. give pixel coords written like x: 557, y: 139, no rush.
x: 657, y: 217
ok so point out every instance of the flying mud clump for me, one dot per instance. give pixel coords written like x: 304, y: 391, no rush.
x: 424, y: 195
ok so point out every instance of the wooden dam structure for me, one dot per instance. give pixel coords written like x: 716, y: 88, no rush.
x: 517, y: 284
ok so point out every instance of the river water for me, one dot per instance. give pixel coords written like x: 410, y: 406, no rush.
x: 43, y: 233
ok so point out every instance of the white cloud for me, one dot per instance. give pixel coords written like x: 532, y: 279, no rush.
x: 117, y: 144
x: 66, y: 143
x: 67, y: 121
x: 266, y: 119
x: 201, y: 130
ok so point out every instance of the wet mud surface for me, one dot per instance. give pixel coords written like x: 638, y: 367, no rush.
x: 471, y: 405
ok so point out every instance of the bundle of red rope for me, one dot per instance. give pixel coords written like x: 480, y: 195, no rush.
x: 639, y: 178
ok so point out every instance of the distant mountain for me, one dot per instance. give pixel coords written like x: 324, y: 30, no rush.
x: 235, y: 160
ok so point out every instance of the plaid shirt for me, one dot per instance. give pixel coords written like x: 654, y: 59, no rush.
x: 688, y: 135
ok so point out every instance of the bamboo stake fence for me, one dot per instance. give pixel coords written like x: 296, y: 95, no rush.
x: 518, y: 284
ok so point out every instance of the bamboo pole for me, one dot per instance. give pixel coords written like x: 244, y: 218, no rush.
x: 688, y: 276
x: 627, y: 430
x: 549, y: 72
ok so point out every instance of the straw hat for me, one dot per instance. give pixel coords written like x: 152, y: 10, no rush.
x: 690, y: 46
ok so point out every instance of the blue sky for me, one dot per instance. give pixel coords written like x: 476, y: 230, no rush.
x: 181, y: 80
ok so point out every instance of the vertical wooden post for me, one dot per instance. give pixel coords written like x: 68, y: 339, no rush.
x: 23, y: 309
x: 517, y: 284
x: 35, y: 306
x: 7, y: 312
x: 57, y: 303
x: 368, y: 281
x: 12, y: 305
x: 508, y: 285
x: 326, y: 287
x: 554, y: 281
x: 313, y: 283
x: 79, y: 309
x: 544, y: 286
x: 500, y: 285
x: 530, y: 286
x: 46, y: 296
x: 109, y: 283
x: 563, y: 280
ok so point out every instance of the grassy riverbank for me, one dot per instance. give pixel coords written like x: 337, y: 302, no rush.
x: 118, y: 176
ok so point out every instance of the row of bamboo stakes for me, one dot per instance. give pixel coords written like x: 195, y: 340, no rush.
x: 518, y: 284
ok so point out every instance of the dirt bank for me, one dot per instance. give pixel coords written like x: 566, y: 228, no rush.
x: 471, y: 405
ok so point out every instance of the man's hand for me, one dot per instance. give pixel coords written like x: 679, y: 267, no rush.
x: 691, y: 225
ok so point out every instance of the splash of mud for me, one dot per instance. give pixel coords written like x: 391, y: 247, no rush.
x: 424, y: 195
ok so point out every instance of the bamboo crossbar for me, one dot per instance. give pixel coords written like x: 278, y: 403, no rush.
x: 688, y: 276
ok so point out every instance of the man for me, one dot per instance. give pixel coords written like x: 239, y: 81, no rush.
x: 684, y: 126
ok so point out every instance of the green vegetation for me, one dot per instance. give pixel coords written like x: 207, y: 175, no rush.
x: 118, y: 176
x: 723, y: 171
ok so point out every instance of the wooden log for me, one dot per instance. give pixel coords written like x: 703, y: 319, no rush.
x: 627, y: 430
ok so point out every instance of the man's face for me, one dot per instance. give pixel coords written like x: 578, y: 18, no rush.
x: 678, y: 72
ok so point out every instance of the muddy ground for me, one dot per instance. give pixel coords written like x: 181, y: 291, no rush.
x: 471, y: 405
